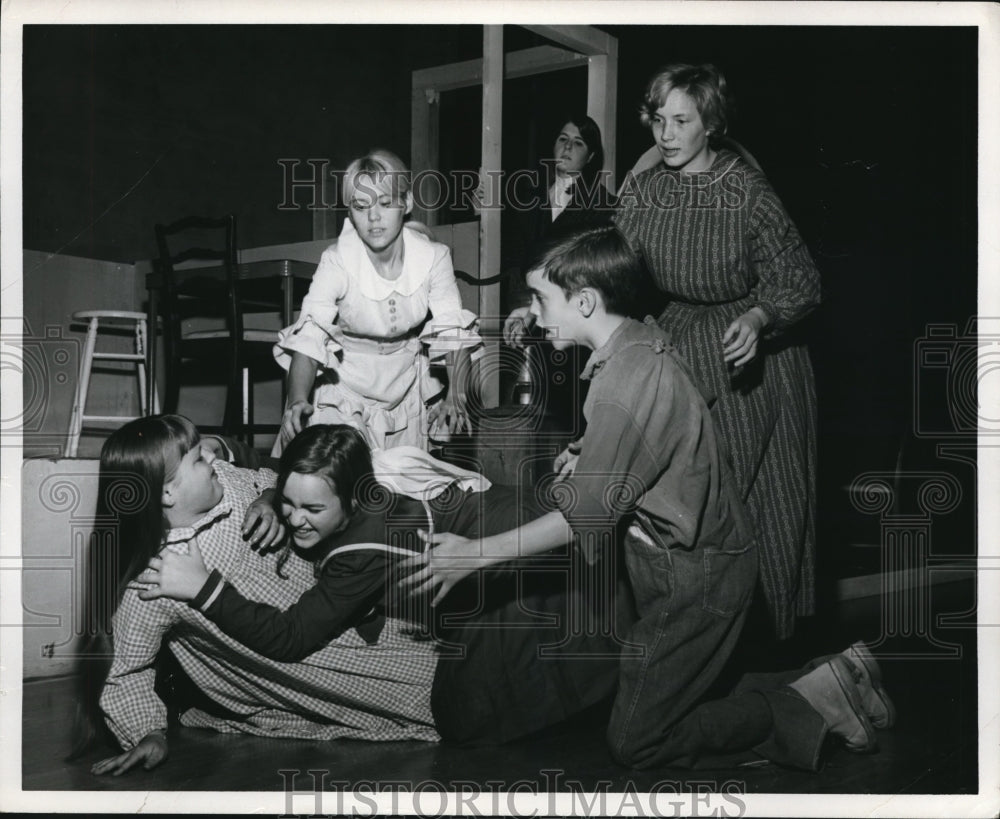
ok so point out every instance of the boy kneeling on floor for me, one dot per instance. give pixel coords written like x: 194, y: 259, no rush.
x: 650, y: 477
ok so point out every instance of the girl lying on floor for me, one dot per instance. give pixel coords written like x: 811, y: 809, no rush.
x: 352, y: 528
x: 357, y: 515
x: 369, y: 672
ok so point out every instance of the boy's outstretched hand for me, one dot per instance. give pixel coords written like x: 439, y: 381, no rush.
x: 151, y: 751
x: 565, y: 462
x: 451, y: 559
x: 174, y: 575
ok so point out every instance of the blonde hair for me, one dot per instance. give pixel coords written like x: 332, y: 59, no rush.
x: 705, y: 84
x: 387, y: 172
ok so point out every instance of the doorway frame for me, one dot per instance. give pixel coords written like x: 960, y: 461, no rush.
x: 575, y: 46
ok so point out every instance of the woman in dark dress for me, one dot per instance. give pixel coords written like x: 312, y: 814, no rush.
x: 739, y: 278
x: 570, y: 195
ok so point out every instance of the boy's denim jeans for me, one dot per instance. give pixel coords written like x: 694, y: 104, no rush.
x: 692, y: 605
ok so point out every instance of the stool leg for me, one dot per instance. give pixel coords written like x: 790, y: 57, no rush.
x: 82, y: 387
x: 248, y: 406
x: 140, y: 366
x: 141, y: 340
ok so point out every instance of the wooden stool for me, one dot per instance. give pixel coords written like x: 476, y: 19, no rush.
x: 79, y: 417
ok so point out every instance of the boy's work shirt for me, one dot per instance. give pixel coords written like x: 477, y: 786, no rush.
x: 346, y: 689
x: 650, y: 449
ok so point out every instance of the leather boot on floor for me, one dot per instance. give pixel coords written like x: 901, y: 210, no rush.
x: 832, y: 690
x: 874, y: 698
x: 877, y: 704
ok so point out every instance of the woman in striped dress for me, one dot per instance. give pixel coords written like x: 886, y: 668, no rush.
x: 738, y: 278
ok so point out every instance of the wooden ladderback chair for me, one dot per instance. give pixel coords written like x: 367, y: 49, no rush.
x: 202, y: 310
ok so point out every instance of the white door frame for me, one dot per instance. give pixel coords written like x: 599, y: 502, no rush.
x: 582, y: 45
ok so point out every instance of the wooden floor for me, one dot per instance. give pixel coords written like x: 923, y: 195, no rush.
x: 933, y: 748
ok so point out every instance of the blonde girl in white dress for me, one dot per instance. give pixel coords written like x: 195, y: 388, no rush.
x: 382, y: 307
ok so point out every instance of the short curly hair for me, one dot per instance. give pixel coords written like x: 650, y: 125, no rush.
x: 705, y: 84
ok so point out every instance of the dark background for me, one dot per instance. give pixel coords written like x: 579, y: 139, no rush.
x: 867, y: 134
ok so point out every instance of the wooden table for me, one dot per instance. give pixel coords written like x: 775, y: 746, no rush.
x: 284, y: 270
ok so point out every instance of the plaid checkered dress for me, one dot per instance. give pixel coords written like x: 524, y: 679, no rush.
x: 347, y: 689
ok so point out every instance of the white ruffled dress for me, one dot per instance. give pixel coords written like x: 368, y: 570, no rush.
x: 373, y: 339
